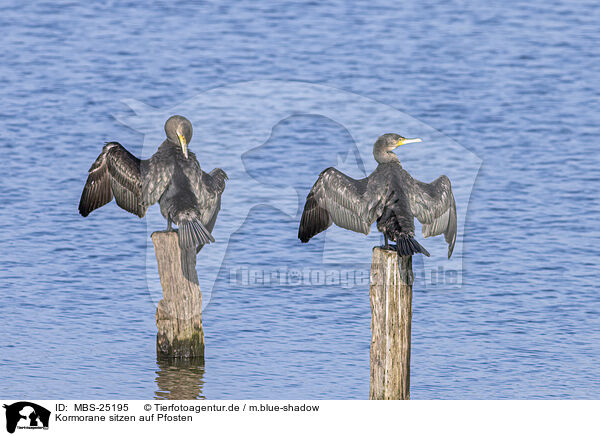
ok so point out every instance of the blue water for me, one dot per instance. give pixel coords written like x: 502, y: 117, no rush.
x: 510, y: 85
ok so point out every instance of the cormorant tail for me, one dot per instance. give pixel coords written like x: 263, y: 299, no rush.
x: 193, y: 234
x: 407, y: 246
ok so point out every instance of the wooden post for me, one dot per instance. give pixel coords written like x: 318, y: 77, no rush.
x: 178, y: 315
x: 391, y: 313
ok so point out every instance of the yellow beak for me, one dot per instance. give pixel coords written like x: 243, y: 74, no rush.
x: 407, y: 141
x: 183, y: 144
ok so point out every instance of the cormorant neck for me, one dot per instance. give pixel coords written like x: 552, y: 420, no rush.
x: 386, y: 157
x: 174, y: 144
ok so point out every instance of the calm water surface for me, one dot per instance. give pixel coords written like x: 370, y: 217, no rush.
x: 513, y: 82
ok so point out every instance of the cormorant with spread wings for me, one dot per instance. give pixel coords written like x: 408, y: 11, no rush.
x: 187, y: 196
x: 389, y: 195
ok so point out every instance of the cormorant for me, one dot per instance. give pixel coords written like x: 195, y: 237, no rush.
x: 389, y: 195
x: 187, y: 196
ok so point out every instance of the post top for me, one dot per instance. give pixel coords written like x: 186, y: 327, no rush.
x: 164, y: 234
x: 380, y: 251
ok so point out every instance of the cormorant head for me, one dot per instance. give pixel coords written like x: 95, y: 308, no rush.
x: 179, y: 131
x: 385, y: 144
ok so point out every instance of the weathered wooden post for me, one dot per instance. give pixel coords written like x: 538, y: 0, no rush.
x: 179, y: 313
x: 391, y: 312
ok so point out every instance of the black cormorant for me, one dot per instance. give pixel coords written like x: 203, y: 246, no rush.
x: 187, y: 196
x: 390, y: 196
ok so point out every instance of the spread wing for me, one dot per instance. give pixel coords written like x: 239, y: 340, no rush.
x: 434, y: 206
x: 115, y: 173
x: 336, y: 198
x: 213, y: 185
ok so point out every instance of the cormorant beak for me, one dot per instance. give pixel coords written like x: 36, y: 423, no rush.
x: 183, y: 144
x: 403, y: 141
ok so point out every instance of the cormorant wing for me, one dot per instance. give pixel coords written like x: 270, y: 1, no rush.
x: 210, y: 225
x: 213, y: 185
x: 349, y: 203
x: 115, y: 173
x: 434, y: 206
